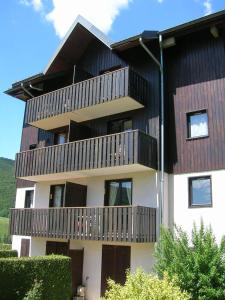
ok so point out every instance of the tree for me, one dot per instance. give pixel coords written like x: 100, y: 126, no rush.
x: 197, y: 266
x: 143, y: 286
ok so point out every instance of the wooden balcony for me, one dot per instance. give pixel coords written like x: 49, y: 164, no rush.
x: 111, y: 154
x: 115, y: 92
x: 116, y: 223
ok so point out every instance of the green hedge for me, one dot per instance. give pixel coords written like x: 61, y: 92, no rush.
x: 8, y: 253
x: 18, y: 276
x: 5, y: 246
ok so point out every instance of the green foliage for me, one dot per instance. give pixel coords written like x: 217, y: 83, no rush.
x: 8, y: 253
x: 36, y: 292
x: 4, y: 230
x: 19, y: 275
x: 5, y: 246
x: 7, y: 186
x: 142, y: 286
x: 200, y: 268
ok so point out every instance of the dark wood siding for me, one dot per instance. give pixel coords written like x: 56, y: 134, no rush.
x: 195, y: 80
x: 99, y: 57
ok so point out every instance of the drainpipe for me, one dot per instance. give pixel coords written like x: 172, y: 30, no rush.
x: 26, y: 90
x: 162, y: 165
x: 35, y: 88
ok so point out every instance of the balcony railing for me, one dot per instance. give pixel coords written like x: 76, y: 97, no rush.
x: 115, y: 150
x: 119, y: 84
x: 120, y: 224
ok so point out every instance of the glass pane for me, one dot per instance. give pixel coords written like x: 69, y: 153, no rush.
x: 115, y: 127
x: 201, y: 191
x: 61, y: 138
x: 127, y: 125
x: 198, y: 125
x: 126, y: 190
x: 29, y: 199
x: 113, y: 193
x: 58, y: 196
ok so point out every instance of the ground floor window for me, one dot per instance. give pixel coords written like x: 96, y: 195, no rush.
x: 200, y: 191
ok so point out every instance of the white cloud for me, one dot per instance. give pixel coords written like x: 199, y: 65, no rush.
x: 208, y: 7
x: 101, y: 13
x: 160, y: 1
x: 36, y: 4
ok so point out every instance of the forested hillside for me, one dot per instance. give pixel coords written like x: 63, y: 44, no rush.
x: 7, y: 186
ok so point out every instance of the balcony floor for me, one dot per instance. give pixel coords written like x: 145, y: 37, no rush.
x: 90, y: 173
x: 112, y: 107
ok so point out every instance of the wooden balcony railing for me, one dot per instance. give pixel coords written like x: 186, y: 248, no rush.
x: 121, y: 223
x: 126, y: 148
x: 97, y: 90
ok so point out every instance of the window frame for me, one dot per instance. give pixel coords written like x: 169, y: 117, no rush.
x: 188, y: 123
x: 106, y: 197
x: 52, y: 189
x: 190, y: 198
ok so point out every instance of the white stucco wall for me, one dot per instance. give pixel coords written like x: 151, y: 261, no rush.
x: 181, y: 215
x: 145, y: 189
x: 19, y: 203
x: 20, y: 197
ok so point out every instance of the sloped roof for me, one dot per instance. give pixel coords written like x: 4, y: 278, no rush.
x: 78, y: 37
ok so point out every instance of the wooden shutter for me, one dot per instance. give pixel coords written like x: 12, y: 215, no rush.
x: 76, y: 195
x: 115, y: 262
x: 77, y: 257
x: 25, y: 247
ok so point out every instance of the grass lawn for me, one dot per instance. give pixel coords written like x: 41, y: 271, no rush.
x: 4, y: 225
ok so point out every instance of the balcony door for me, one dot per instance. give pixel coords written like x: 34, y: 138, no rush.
x: 118, y: 192
x: 56, y: 198
x: 68, y: 195
x: 121, y: 125
x: 115, y: 262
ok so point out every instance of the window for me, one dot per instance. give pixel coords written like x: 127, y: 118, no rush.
x: 197, y: 123
x: 118, y: 192
x: 60, y: 138
x: 33, y: 146
x: 56, y: 195
x: 200, y: 191
x: 29, y: 196
x: 116, y: 126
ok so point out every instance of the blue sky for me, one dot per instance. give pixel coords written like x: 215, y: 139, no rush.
x: 30, y: 31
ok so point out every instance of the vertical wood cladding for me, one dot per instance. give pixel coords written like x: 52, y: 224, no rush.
x: 99, y: 57
x: 96, y: 59
x: 195, y: 80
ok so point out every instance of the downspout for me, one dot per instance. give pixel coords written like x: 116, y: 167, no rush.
x: 162, y: 164
x: 26, y: 90
x: 35, y: 88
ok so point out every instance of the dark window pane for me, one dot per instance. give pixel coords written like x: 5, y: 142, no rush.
x: 197, y: 124
x: 127, y: 125
x: 118, y: 192
x: 119, y: 126
x: 29, y: 195
x: 201, y: 191
x: 126, y: 190
x: 113, y: 193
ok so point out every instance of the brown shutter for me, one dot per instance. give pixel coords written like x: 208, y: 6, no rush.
x: 25, y: 247
x: 76, y: 195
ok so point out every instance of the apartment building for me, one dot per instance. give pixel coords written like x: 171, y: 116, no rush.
x: 106, y: 157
